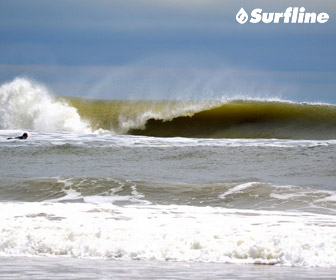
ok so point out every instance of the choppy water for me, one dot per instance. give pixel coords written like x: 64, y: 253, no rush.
x: 169, y: 207
x: 194, y: 200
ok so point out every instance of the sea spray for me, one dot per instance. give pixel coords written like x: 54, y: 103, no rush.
x: 28, y: 105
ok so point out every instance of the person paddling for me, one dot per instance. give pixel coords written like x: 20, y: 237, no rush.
x: 24, y: 136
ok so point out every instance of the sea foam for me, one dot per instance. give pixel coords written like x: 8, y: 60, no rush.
x: 163, y: 233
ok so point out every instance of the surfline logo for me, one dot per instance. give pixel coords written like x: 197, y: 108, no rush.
x: 291, y: 15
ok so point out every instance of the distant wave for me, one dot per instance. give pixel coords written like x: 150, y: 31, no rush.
x: 28, y: 105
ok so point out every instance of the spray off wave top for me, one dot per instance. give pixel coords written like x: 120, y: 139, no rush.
x: 26, y: 105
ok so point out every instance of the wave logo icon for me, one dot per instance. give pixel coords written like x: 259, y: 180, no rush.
x: 242, y: 16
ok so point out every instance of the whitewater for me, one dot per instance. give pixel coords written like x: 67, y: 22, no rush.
x: 171, y: 189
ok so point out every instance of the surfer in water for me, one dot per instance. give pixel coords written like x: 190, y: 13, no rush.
x: 24, y: 136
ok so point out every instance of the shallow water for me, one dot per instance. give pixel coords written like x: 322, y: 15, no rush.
x: 184, y: 206
x: 83, y: 269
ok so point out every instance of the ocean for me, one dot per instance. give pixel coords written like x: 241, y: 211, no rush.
x: 165, y: 189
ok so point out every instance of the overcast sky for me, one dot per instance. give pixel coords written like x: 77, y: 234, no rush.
x: 168, y: 49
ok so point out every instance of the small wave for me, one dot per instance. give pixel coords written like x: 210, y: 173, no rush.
x: 266, y: 196
x: 238, y: 189
x: 96, y: 190
x: 74, y: 189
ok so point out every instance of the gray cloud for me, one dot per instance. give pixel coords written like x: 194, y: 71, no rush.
x: 161, y: 48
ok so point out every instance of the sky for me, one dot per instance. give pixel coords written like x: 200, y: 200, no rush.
x: 186, y: 49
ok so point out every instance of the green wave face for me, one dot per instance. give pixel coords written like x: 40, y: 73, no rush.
x: 211, y: 119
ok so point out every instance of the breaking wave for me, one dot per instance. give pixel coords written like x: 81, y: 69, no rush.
x: 28, y: 105
x: 267, y: 119
x: 167, y: 233
x: 250, y: 119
